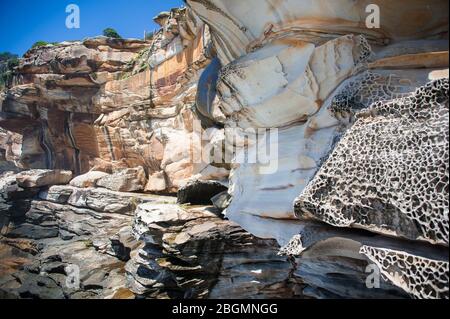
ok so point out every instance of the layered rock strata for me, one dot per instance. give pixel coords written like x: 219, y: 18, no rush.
x: 72, y: 243
x: 65, y: 242
x: 110, y: 104
x: 192, y: 253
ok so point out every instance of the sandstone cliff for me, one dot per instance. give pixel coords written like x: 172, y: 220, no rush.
x: 107, y: 104
x: 360, y: 149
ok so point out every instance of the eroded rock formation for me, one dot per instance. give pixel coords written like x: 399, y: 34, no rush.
x: 389, y: 172
x: 357, y: 148
x: 107, y: 105
x: 361, y: 152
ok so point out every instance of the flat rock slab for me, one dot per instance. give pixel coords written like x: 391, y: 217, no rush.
x: 88, y: 180
x: 127, y: 180
x: 42, y: 178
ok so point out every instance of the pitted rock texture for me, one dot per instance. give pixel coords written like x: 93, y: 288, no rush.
x: 364, y: 90
x: 389, y: 173
x: 342, y: 263
x: 421, y: 277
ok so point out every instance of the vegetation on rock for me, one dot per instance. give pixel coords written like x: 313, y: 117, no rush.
x: 111, y: 33
x: 39, y: 44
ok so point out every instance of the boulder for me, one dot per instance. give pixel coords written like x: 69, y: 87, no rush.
x: 33, y: 232
x: 88, y: 180
x: 42, y: 177
x: 57, y: 194
x: 127, y: 180
x: 156, y: 183
x: 99, y: 199
x: 200, y: 192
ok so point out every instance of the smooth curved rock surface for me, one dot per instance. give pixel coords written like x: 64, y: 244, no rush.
x: 41, y: 178
x: 290, y: 68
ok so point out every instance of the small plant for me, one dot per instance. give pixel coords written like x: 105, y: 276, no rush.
x: 39, y: 44
x: 185, y: 206
x: 111, y: 33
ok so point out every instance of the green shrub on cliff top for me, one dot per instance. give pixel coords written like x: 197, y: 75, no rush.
x: 111, y: 33
x: 39, y: 44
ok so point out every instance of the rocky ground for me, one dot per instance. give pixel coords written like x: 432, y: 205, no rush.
x: 62, y: 241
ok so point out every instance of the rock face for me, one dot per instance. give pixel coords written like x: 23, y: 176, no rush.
x: 51, y: 103
x: 304, y: 71
x: 331, y: 136
x: 361, y: 138
x: 107, y: 104
x: 389, y: 172
x: 194, y: 254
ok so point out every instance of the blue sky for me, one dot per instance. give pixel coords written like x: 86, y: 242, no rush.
x: 23, y: 22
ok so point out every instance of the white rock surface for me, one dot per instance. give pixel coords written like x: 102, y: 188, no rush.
x: 88, y: 180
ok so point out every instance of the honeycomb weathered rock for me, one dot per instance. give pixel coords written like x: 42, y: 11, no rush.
x: 421, y: 277
x: 364, y: 90
x: 389, y: 173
